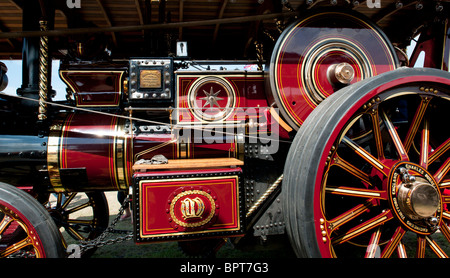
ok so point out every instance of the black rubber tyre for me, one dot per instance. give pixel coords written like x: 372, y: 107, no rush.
x: 307, y: 175
x: 27, y: 224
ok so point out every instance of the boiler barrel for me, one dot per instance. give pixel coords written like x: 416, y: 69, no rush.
x: 96, y: 152
x: 88, y: 152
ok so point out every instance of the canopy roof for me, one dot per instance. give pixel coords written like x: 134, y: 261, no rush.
x: 214, y: 29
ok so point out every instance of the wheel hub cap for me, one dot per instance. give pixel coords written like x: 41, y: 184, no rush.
x: 415, y: 198
x: 342, y: 73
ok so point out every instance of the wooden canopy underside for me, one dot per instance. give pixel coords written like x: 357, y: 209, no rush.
x: 217, y: 39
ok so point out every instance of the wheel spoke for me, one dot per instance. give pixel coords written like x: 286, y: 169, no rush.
x: 366, y: 156
x: 16, y: 247
x: 442, y: 171
x: 364, y: 227
x: 401, y: 250
x: 74, y: 233
x: 78, y: 208
x: 395, y: 138
x: 446, y: 214
x: 420, y: 112
x: 424, y: 142
x: 445, y: 231
x: 421, y: 246
x: 435, y: 247
x: 439, y: 151
x: 68, y: 200
x: 59, y: 200
x: 81, y: 221
x: 373, y: 244
x: 5, y: 222
x: 349, y: 215
x: 393, y: 243
x: 356, y: 192
x: 377, y: 134
x: 338, y: 161
x: 445, y: 183
x: 445, y: 199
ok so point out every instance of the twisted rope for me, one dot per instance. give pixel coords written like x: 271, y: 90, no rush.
x: 43, y: 73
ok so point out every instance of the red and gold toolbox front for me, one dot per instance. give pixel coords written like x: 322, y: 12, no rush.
x: 180, y: 205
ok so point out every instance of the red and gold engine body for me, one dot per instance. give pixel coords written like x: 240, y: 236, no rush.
x: 97, y: 153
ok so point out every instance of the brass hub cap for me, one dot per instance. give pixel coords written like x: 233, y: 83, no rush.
x: 342, y: 73
x: 415, y: 198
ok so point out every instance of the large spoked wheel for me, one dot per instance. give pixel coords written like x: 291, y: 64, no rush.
x: 26, y: 228
x: 79, y: 215
x: 368, y: 172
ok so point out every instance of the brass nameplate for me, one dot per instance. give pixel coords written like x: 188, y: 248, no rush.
x: 150, y: 79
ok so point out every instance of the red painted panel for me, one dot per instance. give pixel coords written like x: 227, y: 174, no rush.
x: 244, y: 90
x: 187, y: 204
x: 94, y: 88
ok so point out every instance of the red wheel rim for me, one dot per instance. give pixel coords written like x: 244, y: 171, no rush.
x: 18, y: 236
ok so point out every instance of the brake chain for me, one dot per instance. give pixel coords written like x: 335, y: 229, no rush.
x: 77, y: 250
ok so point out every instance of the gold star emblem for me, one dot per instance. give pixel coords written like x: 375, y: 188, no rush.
x: 211, y: 98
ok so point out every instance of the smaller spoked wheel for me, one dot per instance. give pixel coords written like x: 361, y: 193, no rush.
x: 26, y: 228
x: 368, y: 172
x: 79, y: 215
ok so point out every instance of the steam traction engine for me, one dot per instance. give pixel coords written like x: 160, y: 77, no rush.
x: 331, y: 137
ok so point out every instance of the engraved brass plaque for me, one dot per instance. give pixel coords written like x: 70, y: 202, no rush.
x: 150, y: 79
